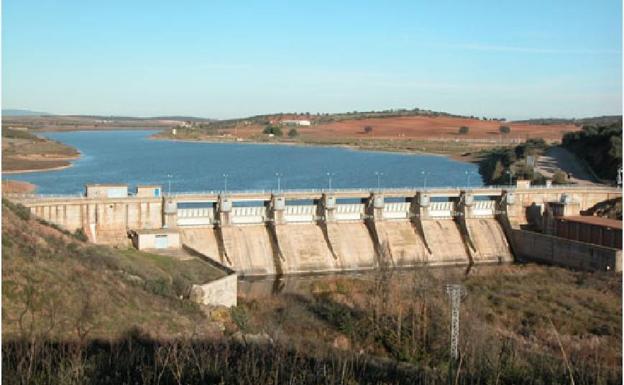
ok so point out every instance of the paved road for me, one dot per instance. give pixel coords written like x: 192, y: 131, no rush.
x: 558, y: 158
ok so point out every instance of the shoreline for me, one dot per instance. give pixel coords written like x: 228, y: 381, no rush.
x: 13, y: 172
x: 458, y: 158
x: 70, y: 160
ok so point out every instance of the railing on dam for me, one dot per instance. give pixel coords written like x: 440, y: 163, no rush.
x: 249, y: 215
x: 350, y: 211
x: 441, y: 209
x: 408, y: 191
x: 303, y: 213
x: 396, y: 210
x: 195, y: 216
x: 483, y: 209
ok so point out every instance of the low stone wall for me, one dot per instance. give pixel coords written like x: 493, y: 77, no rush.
x: 538, y: 247
x: 221, y: 292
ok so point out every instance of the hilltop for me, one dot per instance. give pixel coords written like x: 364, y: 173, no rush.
x: 392, y: 130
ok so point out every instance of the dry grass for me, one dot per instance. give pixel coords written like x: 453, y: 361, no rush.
x: 23, y: 151
x: 53, y: 282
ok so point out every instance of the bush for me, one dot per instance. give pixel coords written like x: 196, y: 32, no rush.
x: 275, y: 130
x: 293, y: 133
x: 20, y: 210
x: 560, y: 177
x: 80, y: 235
x: 600, y: 146
x: 504, y: 129
x: 463, y: 130
x: 368, y: 129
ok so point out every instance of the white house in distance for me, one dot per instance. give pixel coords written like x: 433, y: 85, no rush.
x: 295, y: 122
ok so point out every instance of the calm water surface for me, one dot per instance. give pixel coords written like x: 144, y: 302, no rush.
x: 131, y: 157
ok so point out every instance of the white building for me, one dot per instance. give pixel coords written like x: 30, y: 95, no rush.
x: 295, y: 122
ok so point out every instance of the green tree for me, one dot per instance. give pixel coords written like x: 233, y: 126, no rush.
x: 275, y: 130
x: 293, y: 133
x: 499, y: 169
x: 463, y: 130
x: 504, y: 130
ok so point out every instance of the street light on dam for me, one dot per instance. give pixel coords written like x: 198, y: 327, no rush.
x: 508, y: 172
x: 468, y: 174
x: 329, y: 179
x: 425, y: 174
x: 225, y: 178
x: 279, y: 185
x: 379, y: 175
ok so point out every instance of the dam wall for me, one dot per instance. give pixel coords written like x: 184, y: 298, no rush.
x: 566, y: 252
x: 290, y: 232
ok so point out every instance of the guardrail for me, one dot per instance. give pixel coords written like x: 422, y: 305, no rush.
x: 335, y: 191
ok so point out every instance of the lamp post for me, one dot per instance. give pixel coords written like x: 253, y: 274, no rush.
x: 379, y: 175
x: 424, y: 174
x: 508, y: 172
x: 468, y: 173
x: 169, y: 176
x: 225, y: 177
x: 279, y: 186
x: 329, y: 179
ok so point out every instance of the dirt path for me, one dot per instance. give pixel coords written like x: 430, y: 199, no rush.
x: 558, y: 158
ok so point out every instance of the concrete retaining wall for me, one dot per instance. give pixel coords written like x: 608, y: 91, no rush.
x: 221, y: 292
x: 564, y: 252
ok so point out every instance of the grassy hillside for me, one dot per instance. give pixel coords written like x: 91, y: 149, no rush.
x: 55, y: 284
x: 596, y: 120
x: 79, y: 313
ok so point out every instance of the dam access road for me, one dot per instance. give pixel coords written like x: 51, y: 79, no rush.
x: 307, y: 231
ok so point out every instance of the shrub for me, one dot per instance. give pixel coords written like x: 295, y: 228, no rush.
x: 463, y: 130
x: 240, y: 317
x: 80, y: 235
x: 368, y: 129
x: 560, y: 177
x: 504, y: 129
x: 22, y: 211
x: 293, y: 133
x: 275, y: 130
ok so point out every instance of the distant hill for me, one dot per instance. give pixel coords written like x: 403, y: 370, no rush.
x: 595, y: 120
x: 18, y: 112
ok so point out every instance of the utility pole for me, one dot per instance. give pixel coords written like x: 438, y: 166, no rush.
x: 455, y: 292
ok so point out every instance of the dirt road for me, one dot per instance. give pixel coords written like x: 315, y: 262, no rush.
x: 558, y: 158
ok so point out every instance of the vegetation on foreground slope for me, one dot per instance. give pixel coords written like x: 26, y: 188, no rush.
x: 78, y: 313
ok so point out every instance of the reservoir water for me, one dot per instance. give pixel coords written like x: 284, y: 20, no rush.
x: 132, y: 157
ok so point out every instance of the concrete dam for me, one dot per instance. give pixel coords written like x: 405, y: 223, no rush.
x: 290, y: 232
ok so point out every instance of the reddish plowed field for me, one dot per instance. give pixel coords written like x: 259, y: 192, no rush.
x: 424, y: 127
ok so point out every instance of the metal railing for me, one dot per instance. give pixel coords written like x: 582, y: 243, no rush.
x: 368, y: 190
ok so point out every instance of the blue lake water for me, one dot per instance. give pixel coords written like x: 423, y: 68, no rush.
x: 131, y: 157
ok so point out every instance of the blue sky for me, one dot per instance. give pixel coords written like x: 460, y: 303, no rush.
x: 222, y: 59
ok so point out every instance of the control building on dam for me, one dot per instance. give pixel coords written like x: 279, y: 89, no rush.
x: 289, y: 232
